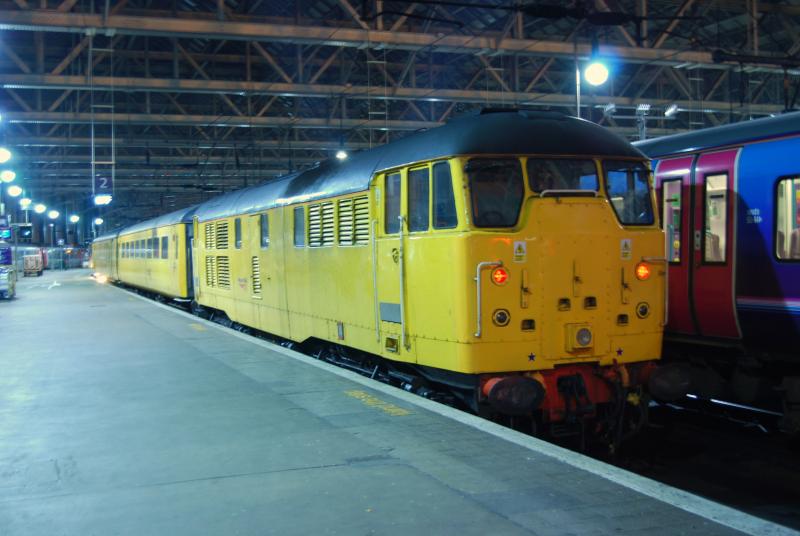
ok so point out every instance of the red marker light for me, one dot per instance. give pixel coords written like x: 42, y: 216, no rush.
x: 642, y: 271
x: 499, y: 276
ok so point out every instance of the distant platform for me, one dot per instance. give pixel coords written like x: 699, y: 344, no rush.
x: 121, y: 416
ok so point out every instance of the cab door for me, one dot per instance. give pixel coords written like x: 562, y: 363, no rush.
x: 712, y: 282
x: 674, y: 185
x: 390, y: 259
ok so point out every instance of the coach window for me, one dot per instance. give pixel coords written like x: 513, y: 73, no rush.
x: 419, y: 198
x: 787, y: 230
x: 716, y: 218
x: 671, y: 191
x: 263, y: 223
x: 496, y: 191
x: 562, y: 174
x: 164, y: 247
x: 444, y: 203
x: 391, y: 208
x: 149, y: 248
x: 156, y: 249
x: 141, y: 248
x: 237, y: 233
x: 300, y: 226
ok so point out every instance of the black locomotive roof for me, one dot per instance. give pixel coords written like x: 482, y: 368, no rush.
x: 490, y: 132
x: 733, y: 134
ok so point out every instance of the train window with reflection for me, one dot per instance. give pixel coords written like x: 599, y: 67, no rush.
x: 444, y: 203
x: 716, y: 218
x: 496, y: 190
x: 164, y: 247
x: 671, y: 190
x: 419, y: 195
x: 561, y: 174
x: 787, y: 230
x: 263, y: 224
x: 237, y: 233
x: 300, y: 226
x: 628, y: 186
x: 391, y: 207
x: 156, y: 249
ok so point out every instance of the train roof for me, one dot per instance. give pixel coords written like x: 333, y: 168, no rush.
x: 183, y: 215
x: 105, y: 236
x: 726, y: 135
x: 493, y: 132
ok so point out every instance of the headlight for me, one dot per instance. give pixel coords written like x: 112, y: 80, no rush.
x: 501, y: 317
x: 643, y: 310
x: 583, y: 337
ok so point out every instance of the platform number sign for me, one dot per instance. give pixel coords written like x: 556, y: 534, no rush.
x: 103, y: 184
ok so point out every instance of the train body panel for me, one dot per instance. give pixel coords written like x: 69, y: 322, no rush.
x: 156, y: 260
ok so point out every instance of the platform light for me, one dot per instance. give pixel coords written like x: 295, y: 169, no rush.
x: 341, y: 154
x: 7, y: 175
x: 98, y: 221
x: 14, y: 191
x: 5, y: 155
x: 671, y: 110
x: 39, y: 208
x: 102, y: 199
x: 25, y: 203
x: 53, y: 214
x: 596, y: 73
x: 74, y: 218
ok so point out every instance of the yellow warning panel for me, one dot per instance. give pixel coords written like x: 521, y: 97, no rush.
x: 520, y: 251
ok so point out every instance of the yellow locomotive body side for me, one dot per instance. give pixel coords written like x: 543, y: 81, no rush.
x: 575, y: 253
x: 104, y: 260
x: 155, y: 260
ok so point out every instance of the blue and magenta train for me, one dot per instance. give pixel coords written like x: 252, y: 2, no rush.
x: 730, y: 203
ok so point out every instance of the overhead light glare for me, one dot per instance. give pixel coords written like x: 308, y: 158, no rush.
x: 596, y: 73
x: 671, y: 110
x: 7, y: 175
x: 102, y: 199
x: 341, y: 154
x: 25, y: 202
x: 53, y: 214
x: 14, y: 190
x: 39, y: 208
x: 74, y: 218
x: 98, y: 221
x: 5, y: 155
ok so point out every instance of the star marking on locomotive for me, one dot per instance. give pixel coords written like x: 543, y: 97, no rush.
x: 531, y: 357
x: 619, y: 352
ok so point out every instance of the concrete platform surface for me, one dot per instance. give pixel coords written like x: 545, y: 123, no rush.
x: 120, y: 416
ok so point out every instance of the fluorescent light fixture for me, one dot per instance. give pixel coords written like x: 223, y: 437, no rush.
x: 596, y: 73
x: 102, y: 199
x: 7, y: 175
x: 14, y: 190
x: 643, y: 108
x: 609, y: 109
x: 39, y: 208
x: 341, y: 154
x: 98, y: 221
x: 671, y: 110
x: 53, y: 214
x: 5, y: 155
x: 74, y: 218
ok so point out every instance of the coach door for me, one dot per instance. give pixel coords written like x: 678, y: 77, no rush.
x: 673, y: 181
x: 390, y: 265
x: 712, y: 282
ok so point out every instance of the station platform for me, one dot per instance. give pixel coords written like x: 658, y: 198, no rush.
x: 122, y: 416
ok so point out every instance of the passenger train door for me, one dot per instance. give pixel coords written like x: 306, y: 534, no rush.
x: 389, y: 258
x: 713, y: 283
x: 697, y: 200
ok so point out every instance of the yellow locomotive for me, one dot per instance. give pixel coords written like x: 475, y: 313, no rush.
x: 513, y: 257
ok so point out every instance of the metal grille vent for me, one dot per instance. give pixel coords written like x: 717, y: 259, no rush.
x: 256, y: 273
x: 221, y: 237
x: 328, y: 233
x: 223, y: 272
x: 361, y: 218
x: 346, y: 222
x: 209, y: 232
x: 211, y: 279
x: 314, y: 226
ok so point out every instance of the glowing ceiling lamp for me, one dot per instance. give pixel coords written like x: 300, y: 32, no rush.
x: 74, y: 218
x: 7, y: 175
x: 14, y: 191
x: 341, y: 154
x: 5, y: 155
x: 25, y: 203
x: 98, y: 221
x: 102, y: 199
x: 53, y: 214
x: 39, y: 208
